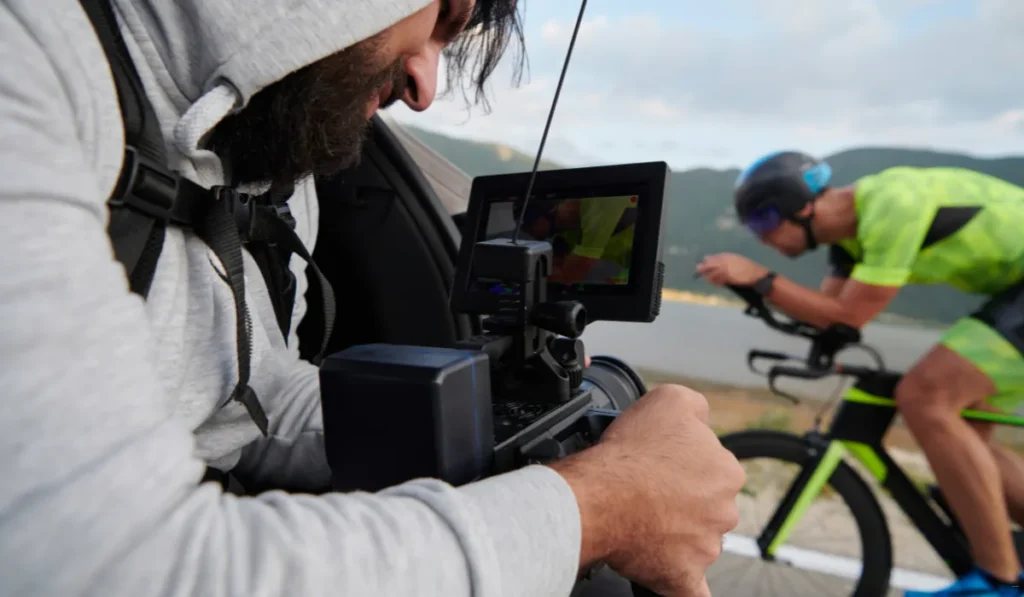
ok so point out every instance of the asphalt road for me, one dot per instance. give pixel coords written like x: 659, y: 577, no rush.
x: 711, y: 343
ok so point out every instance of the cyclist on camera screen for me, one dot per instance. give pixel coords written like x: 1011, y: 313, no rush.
x: 913, y: 226
x: 591, y: 238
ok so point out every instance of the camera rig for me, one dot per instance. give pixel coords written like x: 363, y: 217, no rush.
x: 520, y: 392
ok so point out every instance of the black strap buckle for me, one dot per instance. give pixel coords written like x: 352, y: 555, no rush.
x: 251, y: 213
x: 285, y: 213
x: 145, y: 186
x: 242, y: 207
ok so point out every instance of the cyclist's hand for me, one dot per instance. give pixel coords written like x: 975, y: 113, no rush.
x: 657, y: 493
x: 730, y: 268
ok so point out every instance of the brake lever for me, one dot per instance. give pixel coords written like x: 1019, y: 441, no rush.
x: 755, y: 354
x: 783, y: 371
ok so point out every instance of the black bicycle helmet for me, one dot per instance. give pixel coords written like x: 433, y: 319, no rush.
x: 776, y: 187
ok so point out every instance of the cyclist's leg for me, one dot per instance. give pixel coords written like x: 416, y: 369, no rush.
x: 1011, y: 469
x: 978, y: 361
x: 993, y: 339
x: 1011, y: 464
x: 930, y: 398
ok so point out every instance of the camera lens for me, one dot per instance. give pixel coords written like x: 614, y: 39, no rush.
x: 613, y: 383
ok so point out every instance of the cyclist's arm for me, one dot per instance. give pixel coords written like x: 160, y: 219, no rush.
x: 832, y: 286
x: 99, y: 492
x: 840, y: 264
x: 891, y: 227
x: 598, y: 219
x: 855, y: 305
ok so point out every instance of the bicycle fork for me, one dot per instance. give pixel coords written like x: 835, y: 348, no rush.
x: 826, y: 456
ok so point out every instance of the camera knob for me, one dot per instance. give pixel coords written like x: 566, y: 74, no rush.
x: 569, y: 353
x: 567, y: 318
x: 575, y: 375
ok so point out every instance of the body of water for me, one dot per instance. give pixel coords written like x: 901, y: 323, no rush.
x: 710, y: 343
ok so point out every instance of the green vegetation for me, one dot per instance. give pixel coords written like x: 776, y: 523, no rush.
x: 774, y: 420
x: 701, y: 220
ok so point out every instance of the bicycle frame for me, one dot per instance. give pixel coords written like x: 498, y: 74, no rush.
x: 861, y: 421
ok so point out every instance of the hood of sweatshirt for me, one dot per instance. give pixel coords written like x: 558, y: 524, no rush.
x: 200, y: 60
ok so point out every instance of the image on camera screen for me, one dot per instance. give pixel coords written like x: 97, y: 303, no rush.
x: 591, y: 237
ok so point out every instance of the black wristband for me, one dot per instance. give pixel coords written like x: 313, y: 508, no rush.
x: 764, y: 285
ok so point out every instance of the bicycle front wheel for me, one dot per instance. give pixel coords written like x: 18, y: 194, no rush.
x: 839, y: 546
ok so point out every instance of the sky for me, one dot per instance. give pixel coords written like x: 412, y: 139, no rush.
x: 716, y: 84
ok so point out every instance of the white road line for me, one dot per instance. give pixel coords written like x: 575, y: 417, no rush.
x: 815, y: 561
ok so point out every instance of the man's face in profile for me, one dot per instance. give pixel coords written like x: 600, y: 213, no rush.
x: 315, y: 120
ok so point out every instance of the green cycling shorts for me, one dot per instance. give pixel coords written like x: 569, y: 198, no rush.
x: 992, y: 338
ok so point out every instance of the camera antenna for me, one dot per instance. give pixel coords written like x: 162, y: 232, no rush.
x: 547, y: 126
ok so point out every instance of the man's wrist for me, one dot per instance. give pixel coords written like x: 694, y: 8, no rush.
x: 590, y: 475
x: 765, y: 283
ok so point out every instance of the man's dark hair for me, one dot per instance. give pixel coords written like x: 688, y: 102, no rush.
x: 491, y: 27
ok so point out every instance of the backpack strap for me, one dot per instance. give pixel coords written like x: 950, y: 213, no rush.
x: 148, y: 196
x: 268, y: 231
x: 144, y: 189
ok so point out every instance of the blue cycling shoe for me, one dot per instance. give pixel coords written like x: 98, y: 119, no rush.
x: 975, y: 583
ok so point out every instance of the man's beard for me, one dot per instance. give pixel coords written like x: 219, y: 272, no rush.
x: 311, y: 122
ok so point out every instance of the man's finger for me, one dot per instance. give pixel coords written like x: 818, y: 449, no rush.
x: 716, y: 277
x: 703, y: 590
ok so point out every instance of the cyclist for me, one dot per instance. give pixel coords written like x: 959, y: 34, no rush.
x: 592, y: 238
x: 923, y: 226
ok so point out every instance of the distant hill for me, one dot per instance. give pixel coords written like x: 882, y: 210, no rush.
x: 701, y: 219
x: 479, y: 159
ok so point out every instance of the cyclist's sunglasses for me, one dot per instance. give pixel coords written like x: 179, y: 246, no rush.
x: 763, y: 221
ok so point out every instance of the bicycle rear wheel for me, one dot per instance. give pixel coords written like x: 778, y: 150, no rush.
x: 818, y: 567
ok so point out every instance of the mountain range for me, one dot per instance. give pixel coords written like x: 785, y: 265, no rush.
x: 701, y: 219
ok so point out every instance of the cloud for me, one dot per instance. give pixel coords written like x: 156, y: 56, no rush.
x: 819, y: 65
x: 924, y: 73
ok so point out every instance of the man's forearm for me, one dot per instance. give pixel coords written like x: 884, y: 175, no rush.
x: 806, y: 304
x: 293, y: 456
x: 594, y: 510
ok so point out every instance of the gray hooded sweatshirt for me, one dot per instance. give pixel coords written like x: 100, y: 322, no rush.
x: 113, y: 405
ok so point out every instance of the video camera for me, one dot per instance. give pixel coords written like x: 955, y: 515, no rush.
x: 519, y: 393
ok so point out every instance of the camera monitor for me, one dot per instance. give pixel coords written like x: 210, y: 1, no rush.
x: 604, y: 225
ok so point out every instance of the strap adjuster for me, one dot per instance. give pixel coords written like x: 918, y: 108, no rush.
x: 285, y: 213
x: 145, y: 186
x: 251, y: 214
x: 241, y: 206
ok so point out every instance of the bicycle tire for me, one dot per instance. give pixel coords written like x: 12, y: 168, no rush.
x: 876, y: 541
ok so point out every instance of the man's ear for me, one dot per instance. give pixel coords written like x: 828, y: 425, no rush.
x: 806, y: 210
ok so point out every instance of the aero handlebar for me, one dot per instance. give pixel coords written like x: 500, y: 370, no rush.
x: 825, y: 344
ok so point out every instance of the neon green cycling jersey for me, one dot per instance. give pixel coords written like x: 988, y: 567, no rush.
x: 596, y: 238
x: 936, y: 225
x: 953, y: 226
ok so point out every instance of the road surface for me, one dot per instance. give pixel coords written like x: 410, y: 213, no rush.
x: 711, y: 343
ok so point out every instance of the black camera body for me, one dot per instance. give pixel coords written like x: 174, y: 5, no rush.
x: 520, y: 392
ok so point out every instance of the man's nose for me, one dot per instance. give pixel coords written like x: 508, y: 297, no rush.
x: 422, y: 70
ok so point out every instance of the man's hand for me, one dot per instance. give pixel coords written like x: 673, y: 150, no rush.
x: 657, y: 494
x: 730, y: 268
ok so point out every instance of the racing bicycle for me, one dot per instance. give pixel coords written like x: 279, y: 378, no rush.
x: 825, y: 467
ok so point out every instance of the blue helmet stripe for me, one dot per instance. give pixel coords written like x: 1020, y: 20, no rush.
x: 817, y: 178
x: 750, y: 169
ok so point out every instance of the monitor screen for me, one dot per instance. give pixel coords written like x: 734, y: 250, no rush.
x: 604, y: 226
